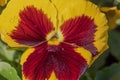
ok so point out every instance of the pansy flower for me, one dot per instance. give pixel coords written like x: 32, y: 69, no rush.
x: 63, y: 37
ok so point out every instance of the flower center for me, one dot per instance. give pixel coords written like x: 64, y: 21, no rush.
x: 54, y: 38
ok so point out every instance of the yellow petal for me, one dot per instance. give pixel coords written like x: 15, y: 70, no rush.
x: 23, y: 77
x: 71, y: 8
x: 25, y: 55
x: 53, y: 76
x: 85, y: 54
x: 3, y: 2
x: 10, y: 16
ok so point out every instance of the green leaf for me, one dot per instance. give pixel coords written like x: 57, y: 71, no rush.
x: 8, y: 72
x: 2, y: 78
x: 6, y: 54
x: 109, y: 73
x: 114, y: 43
x: 118, y: 0
x: 107, y: 3
x: 99, y: 62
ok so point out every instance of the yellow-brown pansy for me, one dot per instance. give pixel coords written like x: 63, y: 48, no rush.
x: 64, y: 36
x: 113, y: 14
x: 3, y: 2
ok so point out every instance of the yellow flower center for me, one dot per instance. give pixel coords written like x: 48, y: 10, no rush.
x: 54, y: 38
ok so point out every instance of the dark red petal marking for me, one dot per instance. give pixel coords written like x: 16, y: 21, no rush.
x: 62, y: 59
x: 32, y: 28
x: 80, y: 31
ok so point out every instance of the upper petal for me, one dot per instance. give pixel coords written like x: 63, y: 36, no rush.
x: 10, y: 17
x: 70, y: 9
x: 80, y: 31
x: 32, y: 28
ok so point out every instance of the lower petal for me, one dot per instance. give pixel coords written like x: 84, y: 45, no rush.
x: 60, y: 62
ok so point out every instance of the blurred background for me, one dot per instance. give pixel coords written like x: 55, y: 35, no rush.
x: 106, y: 67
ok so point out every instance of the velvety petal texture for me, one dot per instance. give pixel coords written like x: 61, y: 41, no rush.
x: 10, y: 19
x: 62, y: 60
x: 32, y: 28
x: 63, y: 37
x: 80, y: 31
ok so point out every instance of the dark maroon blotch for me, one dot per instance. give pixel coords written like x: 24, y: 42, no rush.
x: 80, y: 31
